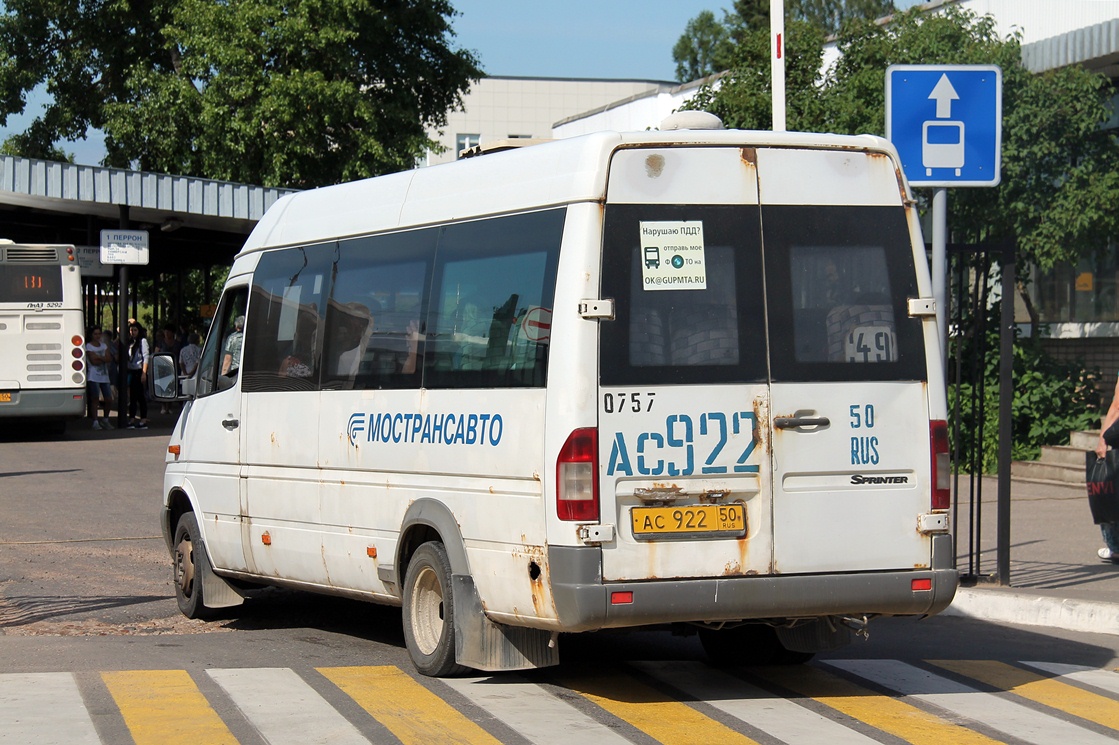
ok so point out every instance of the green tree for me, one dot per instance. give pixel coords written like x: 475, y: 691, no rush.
x: 293, y: 93
x: 702, y: 49
x: 707, y: 45
x: 1060, y: 166
x: 830, y: 15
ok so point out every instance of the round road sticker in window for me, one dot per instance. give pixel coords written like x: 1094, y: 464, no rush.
x: 672, y: 254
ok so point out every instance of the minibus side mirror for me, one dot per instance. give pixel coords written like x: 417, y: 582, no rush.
x: 163, y: 382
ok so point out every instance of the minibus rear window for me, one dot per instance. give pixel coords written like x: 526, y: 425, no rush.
x: 838, y: 278
x: 687, y: 286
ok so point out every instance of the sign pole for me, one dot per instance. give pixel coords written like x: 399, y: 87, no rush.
x: 777, y: 61
x: 946, y: 123
x: 122, y: 324
x: 124, y: 247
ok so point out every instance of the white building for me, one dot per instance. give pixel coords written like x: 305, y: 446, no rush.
x: 501, y: 108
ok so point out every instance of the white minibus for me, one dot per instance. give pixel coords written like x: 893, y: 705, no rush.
x: 42, y: 339
x: 684, y: 377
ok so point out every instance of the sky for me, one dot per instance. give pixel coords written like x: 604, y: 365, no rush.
x: 619, y: 39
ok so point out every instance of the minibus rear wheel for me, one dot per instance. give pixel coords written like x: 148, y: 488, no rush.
x: 188, y: 557
x: 429, y: 612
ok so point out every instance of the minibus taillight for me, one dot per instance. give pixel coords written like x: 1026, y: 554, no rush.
x: 577, y: 476
x: 941, y: 468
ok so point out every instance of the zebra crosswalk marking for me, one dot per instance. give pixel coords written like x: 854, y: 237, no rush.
x: 533, y: 712
x: 1009, y: 717
x: 833, y: 701
x: 44, y: 708
x: 411, y: 712
x: 649, y: 710
x: 1040, y: 688
x: 165, y: 707
x: 785, y: 720
x: 879, y: 711
x: 1107, y: 680
x: 284, y: 708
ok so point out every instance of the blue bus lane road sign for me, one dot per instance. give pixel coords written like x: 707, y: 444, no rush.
x: 946, y: 123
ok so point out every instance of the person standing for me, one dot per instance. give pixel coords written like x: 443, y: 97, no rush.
x: 1110, y: 531
x: 231, y: 360
x: 191, y: 354
x: 139, y: 356
x: 97, y: 383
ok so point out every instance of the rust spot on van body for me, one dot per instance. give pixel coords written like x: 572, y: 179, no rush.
x: 760, y: 443
x: 750, y: 156
x: 654, y: 165
x: 537, y: 568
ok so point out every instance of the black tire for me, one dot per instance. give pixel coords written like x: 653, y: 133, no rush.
x: 186, y: 568
x: 429, y: 612
x: 748, y: 645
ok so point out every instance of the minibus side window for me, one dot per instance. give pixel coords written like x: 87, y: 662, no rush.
x: 223, y: 345
x: 490, y: 324
x: 283, y: 332
x: 376, y: 311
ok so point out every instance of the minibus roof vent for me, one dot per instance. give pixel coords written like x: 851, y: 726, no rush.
x: 691, y: 120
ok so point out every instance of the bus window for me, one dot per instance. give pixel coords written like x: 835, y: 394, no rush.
x: 282, y: 338
x: 495, y: 281
x: 838, y: 278
x: 376, y: 310
x: 218, y: 340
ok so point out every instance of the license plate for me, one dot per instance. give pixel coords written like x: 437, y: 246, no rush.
x: 712, y: 519
x: 5, y: 397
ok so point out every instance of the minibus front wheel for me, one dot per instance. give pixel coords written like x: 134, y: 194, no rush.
x: 188, y: 556
x: 429, y: 612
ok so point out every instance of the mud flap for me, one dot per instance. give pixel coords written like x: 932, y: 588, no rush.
x: 216, y: 592
x: 484, y: 645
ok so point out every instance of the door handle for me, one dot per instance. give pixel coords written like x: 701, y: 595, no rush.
x: 795, y: 422
x: 230, y: 424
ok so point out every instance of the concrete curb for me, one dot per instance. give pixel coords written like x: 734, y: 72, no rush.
x: 1032, y: 610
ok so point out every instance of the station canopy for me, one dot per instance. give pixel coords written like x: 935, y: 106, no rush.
x: 192, y: 222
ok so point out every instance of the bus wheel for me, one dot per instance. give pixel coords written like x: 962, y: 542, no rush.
x: 187, y: 568
x: 429, y: 612
x: 746, y: 645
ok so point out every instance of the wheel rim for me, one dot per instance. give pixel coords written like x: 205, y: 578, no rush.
x: 184, y: 565
x: 427, y: 610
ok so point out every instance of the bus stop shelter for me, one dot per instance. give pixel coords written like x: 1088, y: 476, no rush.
x: 192, y: 223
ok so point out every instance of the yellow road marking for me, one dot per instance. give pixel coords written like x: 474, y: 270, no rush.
x: 879, y: 710
x: 411, y: 712
x: 651, y: 711
x: 164, y: 707
x: 1040, y: 688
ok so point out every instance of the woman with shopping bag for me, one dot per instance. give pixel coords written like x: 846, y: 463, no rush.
x: 1102, y: 475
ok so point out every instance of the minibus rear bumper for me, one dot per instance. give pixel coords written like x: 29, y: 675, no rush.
x: 585, y: 603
